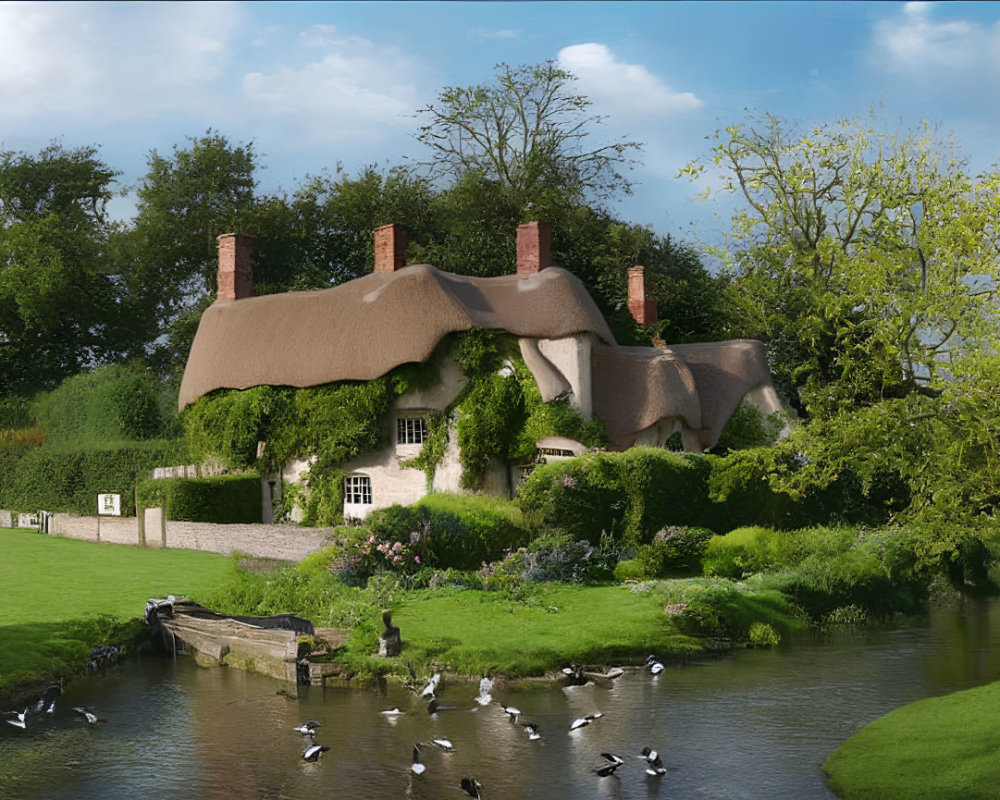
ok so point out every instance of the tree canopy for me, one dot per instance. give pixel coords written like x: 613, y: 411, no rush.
x: 528, y: 132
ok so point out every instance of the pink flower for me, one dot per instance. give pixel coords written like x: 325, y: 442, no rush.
x: 397, y: 559
x: 416, y: 559
x: 397, y: 547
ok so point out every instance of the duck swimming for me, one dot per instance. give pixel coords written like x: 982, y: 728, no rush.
x: 312, y: 752
x: 655, y: 765
x: 308, y: 728
x: 416, y: 767
x: 613, y: 763
x: 19, y: 717
x: 471, y: 787
x: 581, y: 722
x: 654, y: 666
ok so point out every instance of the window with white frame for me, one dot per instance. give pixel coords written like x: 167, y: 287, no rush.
x: 411, y: 430
x: 358, y: 490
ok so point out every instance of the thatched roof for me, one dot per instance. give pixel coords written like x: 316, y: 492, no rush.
x: 362, y: 329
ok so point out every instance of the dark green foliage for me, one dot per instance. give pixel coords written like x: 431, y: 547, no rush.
x: 674, y: 551
x: 467, y: 530
x: 628, y: 495
x: 15, y: 413
x: 111, y: 404
x: 488, y: 419
x: 56, y: 480
x: 221, y: 499
x: 748, y: 427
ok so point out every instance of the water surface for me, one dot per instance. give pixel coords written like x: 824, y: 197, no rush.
x: 755, y: 725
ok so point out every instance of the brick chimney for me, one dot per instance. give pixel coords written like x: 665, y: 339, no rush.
x: 534, y: 247
x: 642, y: 309
x: 235, y: 270
x: 390, y: 247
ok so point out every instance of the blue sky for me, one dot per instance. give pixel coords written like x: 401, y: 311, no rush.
x: 317, y: 84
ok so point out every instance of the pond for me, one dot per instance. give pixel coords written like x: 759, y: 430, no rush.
x: 757, y: 724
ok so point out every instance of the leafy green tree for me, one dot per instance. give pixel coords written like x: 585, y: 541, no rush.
x: 60, y: 307
x: 866, y: 259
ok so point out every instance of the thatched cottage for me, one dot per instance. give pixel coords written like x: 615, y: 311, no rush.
x: 398, y: 314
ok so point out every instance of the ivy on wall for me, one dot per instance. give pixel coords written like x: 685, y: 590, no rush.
x: 498, y: 415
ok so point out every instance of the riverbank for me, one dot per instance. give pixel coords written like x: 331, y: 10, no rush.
x: 942, y: 748
x: 61, y: 598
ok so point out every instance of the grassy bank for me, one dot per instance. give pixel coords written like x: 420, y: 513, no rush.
x: 943, y: 748
x: 60, y: 598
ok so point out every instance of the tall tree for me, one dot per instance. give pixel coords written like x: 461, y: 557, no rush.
x: 185, y: 200
x: 59, y: 306
x: 866, y: 259
x: 528, y: 132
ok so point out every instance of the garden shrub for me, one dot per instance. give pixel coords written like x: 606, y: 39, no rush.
x: 221, y: 499
x: 558, y: 557
x: 674, y: 551
x: 628, y: 495
x: 744, y: 551
x: 467, y: 530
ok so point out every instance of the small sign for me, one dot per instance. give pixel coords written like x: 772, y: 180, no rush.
x: 109, y: 505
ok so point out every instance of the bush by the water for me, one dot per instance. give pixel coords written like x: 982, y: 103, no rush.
x: 222, y: 499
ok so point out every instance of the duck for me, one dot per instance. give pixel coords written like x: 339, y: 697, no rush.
x: 88, y: 715
x: 511, y: 712
x: 432, y: 685
x: 434, y: 706
x: 654, y: 666
x: 391, y: 712
x: 655, y: 765
x: 471, y: 786
x: 19, y: 718
x: 444, y: 744
x: 532, y: 730
x: 308, y: 728
x: 312, y: 752
x: 613, y: 763
x: 484, y: 698
x: 416, y: 766
x: 47, y: 703
x: 580, y: 722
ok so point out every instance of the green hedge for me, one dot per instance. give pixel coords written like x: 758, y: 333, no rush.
x: 223, y: 499
x: 44, y: 478
x: 633, y: 494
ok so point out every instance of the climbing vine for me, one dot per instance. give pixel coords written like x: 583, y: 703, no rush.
x: 498, y: 415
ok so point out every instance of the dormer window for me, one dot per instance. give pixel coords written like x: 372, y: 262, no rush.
x: 411, y: 430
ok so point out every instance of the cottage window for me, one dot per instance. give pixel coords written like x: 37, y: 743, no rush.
x: 411, y: 430
x: 358, y: 490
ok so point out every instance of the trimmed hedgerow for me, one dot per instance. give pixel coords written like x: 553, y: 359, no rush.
x: 53, y: 480
x: 222, y: 499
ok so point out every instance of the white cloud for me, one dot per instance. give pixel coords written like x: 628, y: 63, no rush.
x: 353, y: 87
x: 506, y: 33
x: 914, y: 41
x: 620, y: 87
x: 108, y: 61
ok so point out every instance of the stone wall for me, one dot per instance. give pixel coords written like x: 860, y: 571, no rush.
x: 284, y: 542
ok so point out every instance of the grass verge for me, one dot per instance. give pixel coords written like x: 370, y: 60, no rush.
x: 943, y: 748
x: 60, y: 598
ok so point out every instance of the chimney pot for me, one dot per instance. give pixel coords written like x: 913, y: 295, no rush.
x: 235, y: 268
x: 390, y: 247
x: 534, y: 247
x: 642, y: 309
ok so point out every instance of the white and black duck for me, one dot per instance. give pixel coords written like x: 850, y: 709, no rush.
x: 313, y: 752
x: 17, y: 718
x: 471, y: 787
x: 416, y: 766
x: 654, y: 766
x: 609, y: 768
x: 582, y: 722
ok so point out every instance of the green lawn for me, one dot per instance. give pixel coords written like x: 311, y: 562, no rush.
x: 481, y: 632
x: 943, y: 748
x: 59, y: 597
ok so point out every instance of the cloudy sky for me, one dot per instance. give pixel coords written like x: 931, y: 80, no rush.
x: 317, y: 84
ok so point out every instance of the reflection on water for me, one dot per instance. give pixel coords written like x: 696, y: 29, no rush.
x: 755, y: 725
